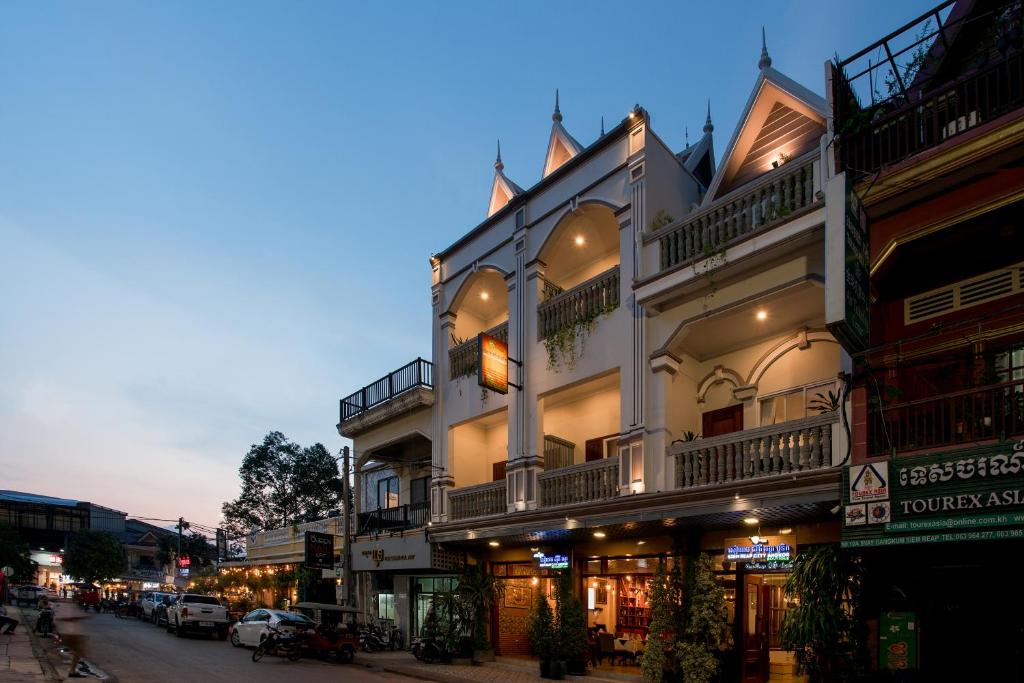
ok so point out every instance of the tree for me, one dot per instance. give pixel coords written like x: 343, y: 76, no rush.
x: 572, y: 625
x: 94, y: 556
x: 823, y: 628
x: 16, y: 554
x: 660, y: 632
x: 541, y: 629
x: 282, y: 483
x: 707, y: 633
x: 478, y: 590
x: 194, y: 546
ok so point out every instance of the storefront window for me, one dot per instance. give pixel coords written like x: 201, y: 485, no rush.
x: 426, y: 587
x: 386, y: 606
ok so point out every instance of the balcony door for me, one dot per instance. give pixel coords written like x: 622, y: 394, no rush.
x: 722, y: 421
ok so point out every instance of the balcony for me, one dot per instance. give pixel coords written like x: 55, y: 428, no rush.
x: 462, y: 359
x: 482, y: 500
x: 413, y: 383
x: 785, y: 448
x: 741, y: 214
x: 583, y: 483
x: 958, y: 418
x: 585, y: 301
x: 919, y: 114
x: 401, y: 518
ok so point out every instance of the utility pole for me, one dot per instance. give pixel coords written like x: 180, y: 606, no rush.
x: 181, y: 525
x: 346, y: 518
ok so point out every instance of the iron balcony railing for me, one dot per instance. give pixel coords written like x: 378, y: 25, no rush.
x: 783, y: 192
x: 462, y: 358
x: 963, y: 417
x: 400, y: 518
x: 419, y: 373
x: 585, y: 301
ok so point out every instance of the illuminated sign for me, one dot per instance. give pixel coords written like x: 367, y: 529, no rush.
x: 767, y: 549
x: 492, y: 363
x: 56, y: 559
x: 553, y: 561
x: 319, y: 550
x: 184, y: 562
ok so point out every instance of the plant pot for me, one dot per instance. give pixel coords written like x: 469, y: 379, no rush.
x: 483, y: 655
x: 557, y: 670
x: 576, y: 667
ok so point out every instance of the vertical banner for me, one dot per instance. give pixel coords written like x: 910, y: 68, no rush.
x: 492, y: 363
x: 847, y: 265
x: 319, y: 550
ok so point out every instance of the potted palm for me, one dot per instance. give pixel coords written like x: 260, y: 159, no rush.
x: 541, y: 633
x: 478, y: 591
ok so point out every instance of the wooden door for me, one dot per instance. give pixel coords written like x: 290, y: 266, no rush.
x: 722, y: 421
x: 594, y: 448
x: 498, y: 470
x: 754, y: 655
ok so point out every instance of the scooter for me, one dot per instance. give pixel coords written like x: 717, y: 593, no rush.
x: 426, y: 650
x: 281, y: 644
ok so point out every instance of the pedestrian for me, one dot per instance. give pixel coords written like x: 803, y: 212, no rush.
x: 7, y: 621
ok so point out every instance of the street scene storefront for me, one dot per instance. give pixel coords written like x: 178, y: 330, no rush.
x: 936, y: 532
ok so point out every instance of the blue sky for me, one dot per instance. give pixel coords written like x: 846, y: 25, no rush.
x: 215, y: 218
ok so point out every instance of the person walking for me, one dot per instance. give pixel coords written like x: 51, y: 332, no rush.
x: 5, y: 621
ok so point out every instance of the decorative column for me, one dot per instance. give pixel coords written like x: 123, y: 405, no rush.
x: 441, y: 477
x: 659, y: 474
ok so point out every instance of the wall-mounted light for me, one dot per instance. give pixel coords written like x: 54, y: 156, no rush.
x: 485, y: 296
x: 534, y: 581
x: 579, y: 240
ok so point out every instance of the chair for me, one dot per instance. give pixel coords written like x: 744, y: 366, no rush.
x: 606, y: 643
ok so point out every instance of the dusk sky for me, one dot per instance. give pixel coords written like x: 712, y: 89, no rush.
x: 215, y: 218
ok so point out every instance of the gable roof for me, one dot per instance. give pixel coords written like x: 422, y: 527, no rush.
x: 561, y: 146
x: 781, y: 116
x: 503, y: 190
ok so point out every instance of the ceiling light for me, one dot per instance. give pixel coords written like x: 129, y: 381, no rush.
x: 534, y: 581
x: 485, y: 296
x: 534, y: 550
x: 493, y: 544
x: 785, y: 532
x: 750, y: 520
x: 762, y: 314
x: 641, y: 542
x: 755, y: 539
x: 579, y: 240
x: 599, y: 534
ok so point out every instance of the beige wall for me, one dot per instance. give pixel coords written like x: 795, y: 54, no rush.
x: 475, y: 446
x: 588, y: 417
x: 417, y: 421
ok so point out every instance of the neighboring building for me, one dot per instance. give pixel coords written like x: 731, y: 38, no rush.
x: 270, y: 573
x: 665, y: 320
x: 144, y: 569
x: 396, y: 569
x: 935, y: 499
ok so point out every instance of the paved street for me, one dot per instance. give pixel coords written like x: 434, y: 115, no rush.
x: 133, y: 650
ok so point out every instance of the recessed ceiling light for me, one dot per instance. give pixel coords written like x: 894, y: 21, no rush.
x: 493, y: 544
x: 534, y: 550
x: 599, y: 534
x: 579, y: 240
x: 762, y: 314
x: 750, y: 520
x: 641, y: 542
x: 485, y: 296
x: 787, y: 530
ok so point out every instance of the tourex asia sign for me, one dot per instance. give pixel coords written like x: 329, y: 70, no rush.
x: 949, y: 494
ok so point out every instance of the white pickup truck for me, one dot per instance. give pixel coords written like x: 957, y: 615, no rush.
x: 197, y: 613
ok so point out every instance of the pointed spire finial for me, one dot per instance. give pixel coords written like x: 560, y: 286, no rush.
x: 686, y: 130
x: 602, y: 126
x: 765, y: 60
x: 497, y: 162
x: 557, y: 115
x: 708, y: 126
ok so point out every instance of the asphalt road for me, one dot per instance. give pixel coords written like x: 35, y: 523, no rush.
x: 134, y: 650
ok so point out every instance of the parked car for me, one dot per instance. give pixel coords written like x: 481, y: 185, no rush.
x: 148, y: 603
x: 191, y: 612
x: 160, y: 610
x: 254, y: 626
x: 28, y: 594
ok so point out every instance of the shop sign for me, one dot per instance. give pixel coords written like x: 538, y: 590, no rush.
x: 319, y: 550
x: 552, y: 561
x: 846, y: 264
x: 869, y: 482
x: 953, y: 491
x: 492, y: 363
x: 56, y: 560
x: 400, y: 552
x: 897, y: 641
x: 767, y: 549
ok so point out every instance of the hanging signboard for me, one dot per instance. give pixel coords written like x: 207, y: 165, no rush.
x: 769, y: 549
x: 319, y: 550
x: 492, y: 363
x: 847, y: 265
x: 970, y: 494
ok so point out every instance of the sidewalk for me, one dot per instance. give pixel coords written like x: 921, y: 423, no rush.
x: 20, y: 655
x: 504, y: 670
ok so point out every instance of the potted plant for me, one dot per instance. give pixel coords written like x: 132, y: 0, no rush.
x: 541, y: 633
x: 478, y: 591
x: 572, y: 628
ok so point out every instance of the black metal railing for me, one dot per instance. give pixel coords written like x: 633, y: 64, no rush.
x: 411, y: 516
x: 419, y: 373
x: 921, y: 109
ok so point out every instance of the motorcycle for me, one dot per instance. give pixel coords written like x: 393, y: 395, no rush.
x: 369, y: 641
x: 426, y: 650
x: 285, y: 645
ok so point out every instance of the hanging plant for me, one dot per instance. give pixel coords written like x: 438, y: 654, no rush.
x: 561, y: 344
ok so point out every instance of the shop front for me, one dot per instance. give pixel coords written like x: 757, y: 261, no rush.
x: 940, y: 535
x: 396, y: 577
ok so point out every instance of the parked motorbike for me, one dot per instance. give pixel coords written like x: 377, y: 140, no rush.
x: 44, y: 623
x: 426, y: 650
x: 285, y: 645
x: 370, y: 641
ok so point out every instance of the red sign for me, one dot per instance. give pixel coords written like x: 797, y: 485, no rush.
x: 184, y: 562
x: 492, y: 363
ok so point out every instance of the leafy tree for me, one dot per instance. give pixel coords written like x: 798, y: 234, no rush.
x: 16, y: 554
x: 282, y: 483
x: 706, y: 633
x: 823, y: 628
x: 94, y: 556
x: 194, y: 546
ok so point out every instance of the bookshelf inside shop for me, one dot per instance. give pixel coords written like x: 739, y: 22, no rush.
x: 634, y: 614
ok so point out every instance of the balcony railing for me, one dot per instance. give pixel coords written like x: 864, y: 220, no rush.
x: 743, y: 213
x: 419, y: 373
x: 784, y: 448
x: 599, y: 294
x: 462, y: 358
x: 481, y: 500
x: 962, y: 417
x: 411, y: 516
x: 558, y: 452
x: 583, y: 483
